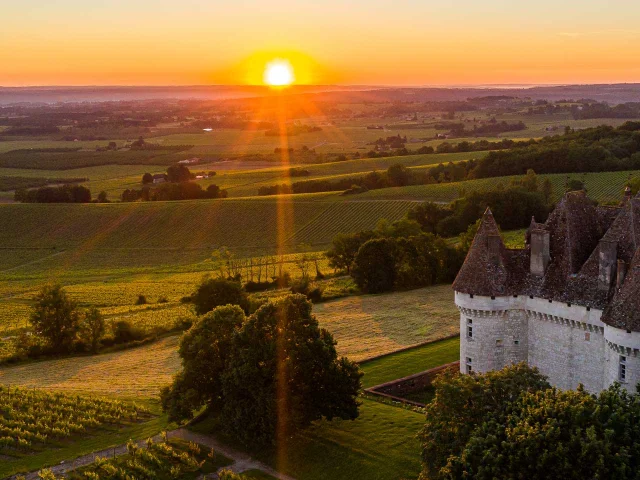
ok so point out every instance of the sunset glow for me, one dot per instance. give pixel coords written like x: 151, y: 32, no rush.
x: 278, y: 73
x: 362, y: 43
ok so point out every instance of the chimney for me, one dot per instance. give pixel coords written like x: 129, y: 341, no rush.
x: 493, y: 247
x: 607, y: 263
x: 540, y: 252
x: 622, y: 272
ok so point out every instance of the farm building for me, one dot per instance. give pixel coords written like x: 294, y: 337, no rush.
x: 568, y: 303
x: 159, y: 178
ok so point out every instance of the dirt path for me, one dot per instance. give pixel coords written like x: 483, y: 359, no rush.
x: 241, y: 461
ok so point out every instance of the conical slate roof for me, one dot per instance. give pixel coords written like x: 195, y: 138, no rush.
x: 484, y: 271
x: 578, y: 230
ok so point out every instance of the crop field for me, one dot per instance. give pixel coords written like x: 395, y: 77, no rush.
x: 43, y: 160
x: 131, y: 374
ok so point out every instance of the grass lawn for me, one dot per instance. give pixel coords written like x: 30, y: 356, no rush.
x: 379, y: 445
x: 401, y: 364
x: 98, y: 440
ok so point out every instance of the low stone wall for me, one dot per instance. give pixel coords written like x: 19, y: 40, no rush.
x: 395, y: 389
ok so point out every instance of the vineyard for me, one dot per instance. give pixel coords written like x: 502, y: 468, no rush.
x: 167, y: 459
x: 153, y: 233
x: 601, y: 186
x: 30, y: 419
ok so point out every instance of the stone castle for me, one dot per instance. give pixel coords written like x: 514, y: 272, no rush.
x: 568, y: 303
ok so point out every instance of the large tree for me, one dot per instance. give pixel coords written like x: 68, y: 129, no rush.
x: 55, y: 318
x: 267, y: 375
x: 374, y: 268
x: 461, y: 404
x: 555, y: 434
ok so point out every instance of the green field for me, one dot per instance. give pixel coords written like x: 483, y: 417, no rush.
x: 380, y: 444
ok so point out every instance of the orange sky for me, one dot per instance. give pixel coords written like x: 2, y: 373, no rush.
x: 402, y: 42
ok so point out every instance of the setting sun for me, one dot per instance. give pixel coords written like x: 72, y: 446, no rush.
x: 278, y: 73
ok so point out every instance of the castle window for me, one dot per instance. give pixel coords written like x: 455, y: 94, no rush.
x: 588, y: 309
x: 469, y: 328
x: 516, y: 342
x: 492, y: 297
x: 622, y: 370
x: 468, y: 365
x: 587, y: 336
x: 498, y: 342
x: 471, y: 296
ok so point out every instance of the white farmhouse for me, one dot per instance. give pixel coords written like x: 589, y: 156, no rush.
x: 568, y: 303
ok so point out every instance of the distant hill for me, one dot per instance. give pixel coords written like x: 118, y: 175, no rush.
x: 612, y: 93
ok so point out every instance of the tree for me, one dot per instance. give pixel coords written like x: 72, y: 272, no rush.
x: 428, y: 215
x: 92, y: 328
x: 398, y: 175
x: 374, y: 268
x: 214, y: 292
x: 267, y: 375
x: 556, y: 434
x: 574, y: 185
x: 147, y: 178
x: 344, y: 248
x: 462, y: 403
x: 284, y: 373
x: 204, y: 350
x: 55, y: 318
x: 102, y: 197
x: 178, y: 173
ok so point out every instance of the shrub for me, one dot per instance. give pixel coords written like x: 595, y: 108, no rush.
x: 142, y: 300
x: 125, y: 332
x: 301, y: 285
x: 163, y: 300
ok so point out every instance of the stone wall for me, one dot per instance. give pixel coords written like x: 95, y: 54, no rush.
x: 395, y: 389
x: 567, y: 343
x: 567, y: 354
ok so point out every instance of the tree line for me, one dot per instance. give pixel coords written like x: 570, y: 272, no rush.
x: 413, y: 252
x: 61, y: 194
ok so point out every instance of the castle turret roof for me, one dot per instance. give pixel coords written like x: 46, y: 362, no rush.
x: 484, y: 271
x: 584, y: 239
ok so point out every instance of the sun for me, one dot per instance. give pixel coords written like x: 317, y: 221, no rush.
x: 278, y: 73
